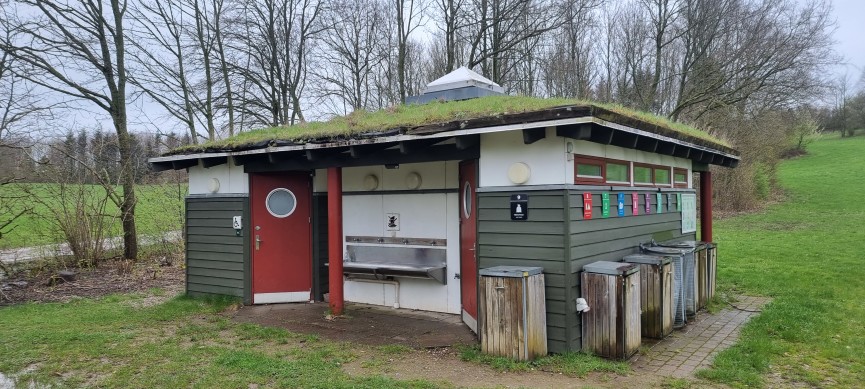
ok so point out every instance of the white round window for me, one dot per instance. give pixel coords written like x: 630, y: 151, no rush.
x: 467, y: 200
x: 280, y: 202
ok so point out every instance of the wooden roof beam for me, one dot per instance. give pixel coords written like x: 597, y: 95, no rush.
x: 532, y: 135
x: 183, y: 164
x: 647, y: 144
x: 666, y: 148
x: 683, y: 151
x: 467, y: 141
x: 581, y: 131
x: 414, y: 146
x: 358, y: 151
x: 215, y: 161
x: 624, y: 139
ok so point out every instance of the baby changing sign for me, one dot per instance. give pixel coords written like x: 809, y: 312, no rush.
x: 587, y: 205
x: 621, y: 204
x: 519, y: 207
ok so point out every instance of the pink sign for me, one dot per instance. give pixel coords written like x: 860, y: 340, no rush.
x: 635, y: 204
x: 648, y: 203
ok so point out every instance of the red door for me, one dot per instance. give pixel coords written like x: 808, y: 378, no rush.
x: 281, y: 237
x: 468, y: 242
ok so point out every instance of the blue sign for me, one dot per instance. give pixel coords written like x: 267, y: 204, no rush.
x: 621, y: 204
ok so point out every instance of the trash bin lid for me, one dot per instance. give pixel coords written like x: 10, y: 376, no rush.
x: 613, y: 268
x: 511, y: 271
x: 686, y: 244
x: 647, y: 259
x: 666, y: 250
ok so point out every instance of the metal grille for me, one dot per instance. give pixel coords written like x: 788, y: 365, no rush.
x: 689, y: 287
x: 679, y: 318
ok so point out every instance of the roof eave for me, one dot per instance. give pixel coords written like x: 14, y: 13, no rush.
x: 588, y: 128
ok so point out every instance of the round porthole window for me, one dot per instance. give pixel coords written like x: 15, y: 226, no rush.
x: 467, y: 200
x: 281, y: 202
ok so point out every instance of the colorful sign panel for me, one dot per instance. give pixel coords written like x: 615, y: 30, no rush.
x: 689, y: 213
x: 605, y: 205
x: 635, y: 204
x: 587, y: 205
x: 679, y: 202
x: 621, y: 204
x: 660, y: 201
x: 648, y: 203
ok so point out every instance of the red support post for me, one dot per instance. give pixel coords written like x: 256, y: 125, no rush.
x: 706, y: 206
x: 334, y: 239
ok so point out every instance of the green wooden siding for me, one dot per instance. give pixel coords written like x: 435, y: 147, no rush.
x: 539, y: 241
x: 556, y: 237
x: 217, y: 259
x: 610, y: 239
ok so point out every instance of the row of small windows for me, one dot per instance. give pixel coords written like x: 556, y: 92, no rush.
x: 592, y: 170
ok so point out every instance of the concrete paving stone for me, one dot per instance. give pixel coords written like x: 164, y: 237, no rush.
x: 693, y: 347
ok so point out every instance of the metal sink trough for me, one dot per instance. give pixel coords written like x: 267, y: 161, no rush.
x: 416, y: 258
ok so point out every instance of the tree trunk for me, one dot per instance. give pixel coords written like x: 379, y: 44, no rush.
x: 127, y: 181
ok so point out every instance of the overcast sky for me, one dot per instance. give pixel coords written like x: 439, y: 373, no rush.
x: 850, y: 35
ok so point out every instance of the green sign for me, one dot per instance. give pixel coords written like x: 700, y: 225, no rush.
x: 660, y: 202
x: 605, y: 205
x: 679, y: 202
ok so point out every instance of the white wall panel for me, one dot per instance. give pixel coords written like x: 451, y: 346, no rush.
x: 432, y: 215
x: 231, y: 178
x: 434, y: 175
x: 591, y: 149
x: 546, y: 158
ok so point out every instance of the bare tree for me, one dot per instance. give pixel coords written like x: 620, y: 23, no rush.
x: 749, y: 55
x: 497, y: 27
x: 272, y: 40
x: 60, y: 47
x: 162, y: 56
x: 353, y: 53
x: 409, y: 17
x: 569, y: 67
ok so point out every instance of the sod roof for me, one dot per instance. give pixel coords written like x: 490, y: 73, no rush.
x: 438, y: 117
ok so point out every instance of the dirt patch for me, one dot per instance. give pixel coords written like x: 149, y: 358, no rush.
x: 363, y: 324
x: 444, y: 365
x: 110, y: 277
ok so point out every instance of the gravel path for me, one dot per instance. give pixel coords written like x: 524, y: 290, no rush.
x: 24, y: 254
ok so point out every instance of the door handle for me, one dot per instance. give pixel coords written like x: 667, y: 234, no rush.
x: 257, y: 242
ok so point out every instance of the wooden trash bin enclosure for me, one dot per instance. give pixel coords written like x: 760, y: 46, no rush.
x: 512, y: 315
x: 656, y: 294
x: 711, y: 269
x: 685, y: 277
x: 611, y: 327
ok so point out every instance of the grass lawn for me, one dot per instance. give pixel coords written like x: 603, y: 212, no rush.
x: 127, y: 341
x: 159, y: 209
x: 808, y: 253
x: 120, y: 342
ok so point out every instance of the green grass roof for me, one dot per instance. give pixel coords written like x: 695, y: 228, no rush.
x: 411, y: 116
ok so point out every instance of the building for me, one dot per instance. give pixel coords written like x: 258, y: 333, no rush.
x: 402, y: 207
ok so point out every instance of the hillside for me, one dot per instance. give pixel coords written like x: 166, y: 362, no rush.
x: 807, y: 253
